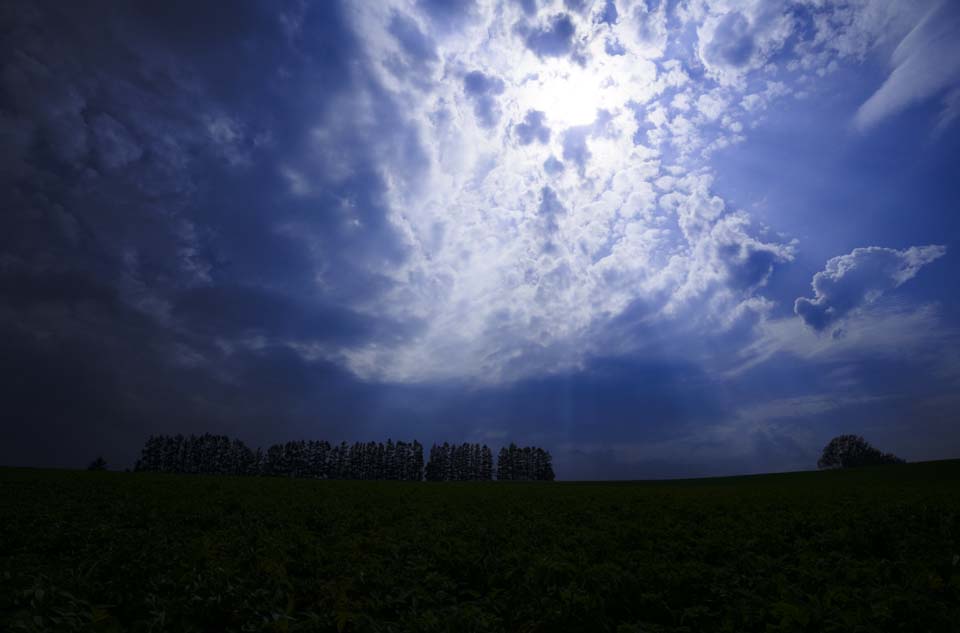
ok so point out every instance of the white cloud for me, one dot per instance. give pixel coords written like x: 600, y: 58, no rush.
x: 711, y: 106
x: 850, y: 281
x: 736, y: 38
x: 884, y: 332
x: 926, y: 63
x: 950, y: 113
x: 501, y: 289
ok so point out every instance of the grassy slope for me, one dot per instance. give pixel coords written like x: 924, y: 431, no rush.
x: 872, y: 550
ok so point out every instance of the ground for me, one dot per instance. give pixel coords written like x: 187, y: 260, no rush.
x: 874, y: 549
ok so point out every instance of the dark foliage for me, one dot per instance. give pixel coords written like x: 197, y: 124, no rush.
x: 466, y: 462
x: 850, y: 451
x: 219, y: 455
x: 528, y: 463
x: 98, y: 464
x: 827, y: 552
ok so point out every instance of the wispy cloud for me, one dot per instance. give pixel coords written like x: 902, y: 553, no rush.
x: 925, y: 64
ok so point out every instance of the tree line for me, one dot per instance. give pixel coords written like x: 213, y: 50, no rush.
x: 404, y: 461
x: 466, y: 462
x: 515, y: 463
x: 852, y: 451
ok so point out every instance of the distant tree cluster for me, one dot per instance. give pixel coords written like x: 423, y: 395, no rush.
x: 197, y: 454
x: 466, y: 462
x: 98, y: 464
x: 850, y: 451
x: 219, y: 455
x: 360, y: 460
x: 528, y: 463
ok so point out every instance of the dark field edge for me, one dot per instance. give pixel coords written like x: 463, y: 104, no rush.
x: 938, y: 470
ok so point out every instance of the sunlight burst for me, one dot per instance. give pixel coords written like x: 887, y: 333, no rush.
x: 569, y: 95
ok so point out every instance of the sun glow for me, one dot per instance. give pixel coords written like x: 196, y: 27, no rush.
x: 569, y: 96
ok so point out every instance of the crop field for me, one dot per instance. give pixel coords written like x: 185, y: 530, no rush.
x: 873, y: 549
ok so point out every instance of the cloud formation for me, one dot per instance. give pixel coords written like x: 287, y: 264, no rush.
x: 553, y: 39
x: 483, y: 90
x: 533, y: 128
x: 859, y: 278
x: 327, y: 219
x: 925, y: 63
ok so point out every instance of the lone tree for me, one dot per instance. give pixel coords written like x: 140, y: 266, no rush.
x: 850, y: 451
x: 97, y: 464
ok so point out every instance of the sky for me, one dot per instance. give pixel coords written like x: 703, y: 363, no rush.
x: 660, y: 238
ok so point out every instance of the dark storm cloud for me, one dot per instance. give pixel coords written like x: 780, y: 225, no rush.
x: 850, y: 281
x: 483, y: 90
x: 75, y: 392
x: 157, y: 272
x: 236, y: 311
x: 23, y: 288
x: 533, y: 128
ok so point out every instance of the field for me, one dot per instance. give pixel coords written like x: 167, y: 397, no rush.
x: 875, y: 549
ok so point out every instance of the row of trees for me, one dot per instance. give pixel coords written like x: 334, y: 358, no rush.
x: 220, y: 455
x: 360, y: 460
x: 466, y: 462
x: 527, y: 463
x: 207, y: 454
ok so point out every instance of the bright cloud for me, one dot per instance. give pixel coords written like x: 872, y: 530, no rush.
x: 517, y: 219
x: 516, y: 257
x: 859, y: 278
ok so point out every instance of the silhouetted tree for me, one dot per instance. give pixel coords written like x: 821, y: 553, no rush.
x: 414, y: 462
x: 486, y: 463
x: 432, y: 470
x: 529, y: 463
x: 504, y: 472
x: 98, y: 464
x: 543, y: 466
x: 850, y: 451
x: 464, y: 462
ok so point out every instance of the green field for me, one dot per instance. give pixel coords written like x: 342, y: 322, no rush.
x: 873, y: 549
